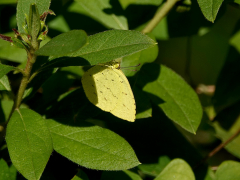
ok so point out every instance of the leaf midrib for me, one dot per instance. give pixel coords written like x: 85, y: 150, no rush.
x: 92, y: 146
x: 115, y: 48
x: 177, y: 104
x: 21, y: 117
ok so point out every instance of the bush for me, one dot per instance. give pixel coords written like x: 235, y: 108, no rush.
x: 125, y: 89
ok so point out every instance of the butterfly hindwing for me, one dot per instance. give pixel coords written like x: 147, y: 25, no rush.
x: 108, y: 88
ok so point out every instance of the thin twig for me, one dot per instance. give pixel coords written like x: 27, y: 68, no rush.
x: 166, y: 7
x: 219, y: 147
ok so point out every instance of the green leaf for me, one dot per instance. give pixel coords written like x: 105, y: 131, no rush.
x: 7, y: 173
x: 80, y: 176
x: 145, y: 56
x: 59, y: 24
x: 207, y: 50
x: 91, y: 146
x: 235, y: 1
x: 155, y: 133
x: 11, y: 53
x: 228, y: 170
x: 29, y: 143
x: 210, y: 175
x: 177, y: 169
x: 19, y: 43
x: 103, y: 48
x: 5, y: 109
x: 172, y: 94
x: 33, y: 22
x: 155, y: 169
x: 4, y: 172
x: 8, y: 1
x: 120, y: 175
x: 12, y: 173
x: 4, y: 69
x: 64, y: 44
x: 4, y: 83
x: 104, y: 11
x: 210, y: 8
x: 113, y: 44
x: 23, y: 8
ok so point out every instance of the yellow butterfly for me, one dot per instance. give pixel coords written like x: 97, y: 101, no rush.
x: 108, y: 88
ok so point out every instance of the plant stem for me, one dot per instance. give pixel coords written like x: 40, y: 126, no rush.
x: 222, y: 145
x: 34, y: 28
x: 219, y: 147
x: 25, y: 79
x: 166, y: 7
x: 26, y: 76
x: 24, y: 82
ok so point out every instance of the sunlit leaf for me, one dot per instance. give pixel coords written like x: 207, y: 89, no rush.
x: 170, y: 92
x: 4, y: 69
x: 228, y: 170
x: 210, y: 8
x: 177, y: 169
x: 91, y: 146
x: 113, y: 44
x: 23, y: 8
x: 64, y: 44
x: 104, y: 11
x: 4, y: 83
x: 29, y: 143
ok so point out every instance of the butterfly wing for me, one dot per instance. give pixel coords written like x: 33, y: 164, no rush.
x: 101, y: 88
x: 126, y: 107
x: 108, y: 88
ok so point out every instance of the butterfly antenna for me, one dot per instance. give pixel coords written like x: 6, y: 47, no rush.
x: 131, y: 66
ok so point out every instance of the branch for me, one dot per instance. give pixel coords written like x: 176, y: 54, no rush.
x: 166, y: 7
x: 219, y: 147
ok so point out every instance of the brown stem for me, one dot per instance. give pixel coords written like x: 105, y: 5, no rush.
x: 219, y: 147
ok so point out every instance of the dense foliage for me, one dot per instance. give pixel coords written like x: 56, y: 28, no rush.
x: 186, y: 89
